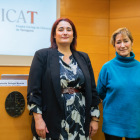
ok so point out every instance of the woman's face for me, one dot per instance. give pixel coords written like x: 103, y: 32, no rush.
x: 123, y: 45
x: 64, y: 33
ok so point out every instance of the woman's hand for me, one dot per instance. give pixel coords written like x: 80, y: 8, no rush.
x: 40, y: 125
x: 93, y: 128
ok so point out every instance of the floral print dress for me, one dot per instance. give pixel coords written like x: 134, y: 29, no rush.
x: 72, y: 125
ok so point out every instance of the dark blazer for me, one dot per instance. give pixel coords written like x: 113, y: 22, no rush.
x: 44, y: 88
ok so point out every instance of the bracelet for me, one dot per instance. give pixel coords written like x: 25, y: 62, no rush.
x: 95, y: 120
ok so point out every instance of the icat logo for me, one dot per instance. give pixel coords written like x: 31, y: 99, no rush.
x: 21, y: 17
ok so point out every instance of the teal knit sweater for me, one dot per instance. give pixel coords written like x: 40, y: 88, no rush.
x: 119, y: 87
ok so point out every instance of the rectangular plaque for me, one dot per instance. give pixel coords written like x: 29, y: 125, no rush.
x: 13, y: 82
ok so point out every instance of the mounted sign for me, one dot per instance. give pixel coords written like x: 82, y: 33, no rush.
x: 13, y: 82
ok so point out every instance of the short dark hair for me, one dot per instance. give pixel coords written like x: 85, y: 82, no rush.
x: 52, y: 39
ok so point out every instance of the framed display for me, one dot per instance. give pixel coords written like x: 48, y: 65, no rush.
x: 25, y: 27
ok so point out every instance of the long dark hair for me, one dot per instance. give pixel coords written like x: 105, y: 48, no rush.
x: 52, y: 39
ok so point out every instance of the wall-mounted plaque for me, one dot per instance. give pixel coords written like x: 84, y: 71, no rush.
x: 15, y: 104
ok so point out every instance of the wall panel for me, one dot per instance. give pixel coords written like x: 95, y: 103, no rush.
x: 124, y: 8
x: 131, y: 23
x: 125, y: 13
x: 62, y: 7
x: 91, y: 8
x: 136, y: 44
x: 96, y: 44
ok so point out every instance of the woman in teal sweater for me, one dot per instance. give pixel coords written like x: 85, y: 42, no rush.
x: 119, y: 87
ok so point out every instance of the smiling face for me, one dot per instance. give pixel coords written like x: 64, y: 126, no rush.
x: 63, y: 33
x: 123, y: 45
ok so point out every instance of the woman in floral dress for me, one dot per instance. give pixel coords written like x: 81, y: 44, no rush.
x: 61, y: 89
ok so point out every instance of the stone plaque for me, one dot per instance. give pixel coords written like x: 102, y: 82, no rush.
x: 15, y: 104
